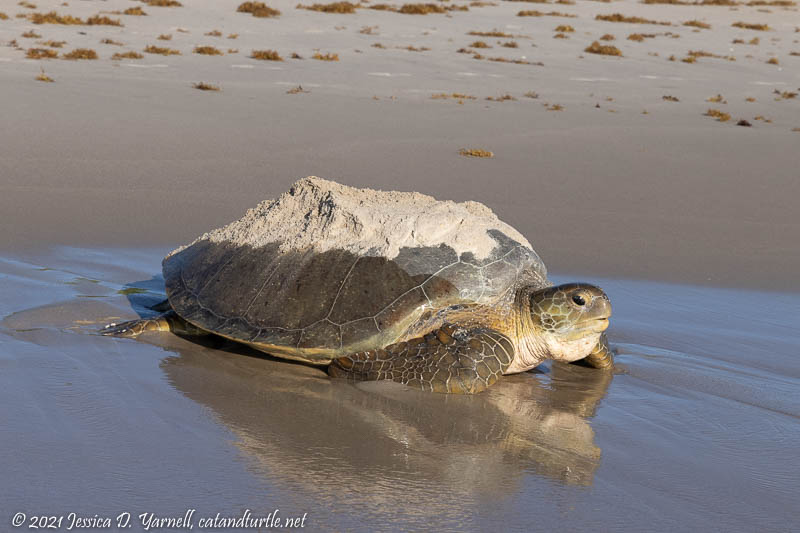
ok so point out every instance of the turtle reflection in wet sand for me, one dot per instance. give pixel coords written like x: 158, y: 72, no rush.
x: 440, y: 296
x: 483, y: 446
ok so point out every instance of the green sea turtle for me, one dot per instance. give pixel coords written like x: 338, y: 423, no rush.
x: 375, y: 285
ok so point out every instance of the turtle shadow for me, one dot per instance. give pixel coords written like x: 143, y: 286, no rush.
x: 143, y: 295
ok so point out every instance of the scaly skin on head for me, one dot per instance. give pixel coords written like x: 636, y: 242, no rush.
x: 564, y: 323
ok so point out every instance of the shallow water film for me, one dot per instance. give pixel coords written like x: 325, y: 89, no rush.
x: 697, y: 429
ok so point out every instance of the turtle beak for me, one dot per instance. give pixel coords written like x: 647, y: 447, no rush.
x: 599, y: 325
x: 597, y: 313
x: 601, y: 307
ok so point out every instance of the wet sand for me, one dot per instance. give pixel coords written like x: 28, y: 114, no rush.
x: 690, y: 224
x: 695, y: 431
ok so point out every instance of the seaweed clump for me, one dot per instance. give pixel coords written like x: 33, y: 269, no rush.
x: 266, y: 55
x: 41, y: 53
x: 203, y: 86
x: 163, y: 3
x: 421, y: 9
x: 748, y: 26
x: 54, y: 18
x: 98, y: 20
x: 603, y: 49
x: 502, y: 98
x: 721, y: 116
x: 618, y: 17
x: 459, y: 97
x: 333, y: 7
x: 535, y: 13
x: 514, y: 61
x: 127, y: 55
x: 150, y: 49
x: 207, y: 51
x: 81, y: 53
x: 258, y: 9
x: 44, y: 77
x: 476, y: 152
x: 326, y: 57
x: 697, y: 24
x: 493, y: 33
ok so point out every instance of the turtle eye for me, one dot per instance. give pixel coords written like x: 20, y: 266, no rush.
x: 578, y: 299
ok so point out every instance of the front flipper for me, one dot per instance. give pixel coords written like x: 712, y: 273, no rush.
x: 450, y: 359
x: 169, y: 321
x: 601, y: 356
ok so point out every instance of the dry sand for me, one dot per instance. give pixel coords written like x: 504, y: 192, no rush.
x: 128, y: 152
x: 118, y: 161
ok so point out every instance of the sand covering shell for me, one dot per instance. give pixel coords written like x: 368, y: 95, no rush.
x: 323, y: 215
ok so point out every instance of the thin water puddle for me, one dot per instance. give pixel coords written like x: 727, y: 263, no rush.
x: 698, y: 425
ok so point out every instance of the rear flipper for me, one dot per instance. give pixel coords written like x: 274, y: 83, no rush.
x: 169, y: 321
x: 451, y: 359
x: 601, y: 356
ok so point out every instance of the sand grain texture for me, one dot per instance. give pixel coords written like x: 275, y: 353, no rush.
x: 324, y: 215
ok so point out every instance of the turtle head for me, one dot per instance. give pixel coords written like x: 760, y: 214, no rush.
x: 569, y: 319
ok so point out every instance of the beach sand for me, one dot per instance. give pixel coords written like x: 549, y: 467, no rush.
x: 696, y: 430
x: 690, y: 224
